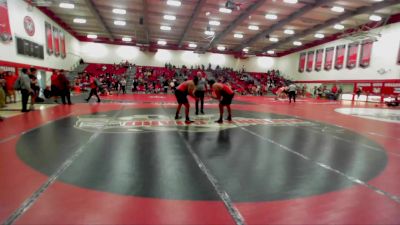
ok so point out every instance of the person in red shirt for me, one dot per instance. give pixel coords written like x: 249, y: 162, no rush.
x: 10, y: 80
x: 93, y: 88
x: 181, y: 93
x: 224, y: 94
x: 55, y: 85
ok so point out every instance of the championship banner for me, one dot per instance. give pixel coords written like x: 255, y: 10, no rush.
x: 5, y: 29
x: 49, y: 38
x: 318, y: 59
x: 339, y: 59
x: 302, y: 62
x: 329, y: 58
x: 310, y: 61
x: 62, y: 43
x: 56, y: 39
x: 365, y: 55
x: 352, y: 54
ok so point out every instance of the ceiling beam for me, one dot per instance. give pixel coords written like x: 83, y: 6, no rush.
x: 329, y: 23
x: 146, y: 20
x: 242, y: 17
x: 194, y: 16
x: 100, y: 21
x: 305, y: 9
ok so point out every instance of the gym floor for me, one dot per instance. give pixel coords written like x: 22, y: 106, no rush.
x: 126, y: 161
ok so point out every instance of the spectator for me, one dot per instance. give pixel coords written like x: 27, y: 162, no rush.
x: 292, y: 89
x: 23, y: 83
x: 65, y: 88
x: 10, y: 80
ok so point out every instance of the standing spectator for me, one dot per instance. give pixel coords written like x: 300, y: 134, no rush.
x: 65, y: 88
x: 34, y: 86
x: 201, y: 88
x: 10, y: 80
x: 94, y: 85
x: 165, y: 86
x: 135, y: 85
x: 122, y: 83
x: 2, y: 90
x: 23, y: 83
x: 55, y: 86
x: 292, y: 92
x: 359, y: 92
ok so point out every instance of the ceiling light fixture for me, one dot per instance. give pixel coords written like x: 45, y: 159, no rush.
x: 91, y: 36
x: 375, y: 18
x: 288, y: 31
x: 127, y: 39
x: 246, y: 50
x: 221, y: 48
x: 238, y: 35
x: 319, y: 35
x: 337, y: 9
x: 167, y: 28
x: 119, y: 22
x: 169, y: 17
x: 297, y: 43
x: 161, y: 42
x: 79, y: 20
x: 65, y: 5
x: 338, y: 26
x: 192, y: 45
x: 119, y: 11
x: 174, y: 3
x: 214, y: 23
x: 290, y: 1
x: 209, y: 32
x: 271, y: 16
x: 225, y: 10
x: 271, y: 52
x: 273, y: 39
x: 253, y: 27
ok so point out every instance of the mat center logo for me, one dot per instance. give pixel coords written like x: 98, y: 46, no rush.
x: 154, y: 123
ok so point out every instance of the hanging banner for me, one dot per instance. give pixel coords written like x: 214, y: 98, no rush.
x: 365, y: 55
x: 49, y: 38
x: 310, y: 61
x: 62, y: 43
x: 329, y: 58
x: 352, y: 54
x: 56, y: 39
x: 5, y: 29
x: 339, y: 59
x: 318, y: 59
x: 302, y: 62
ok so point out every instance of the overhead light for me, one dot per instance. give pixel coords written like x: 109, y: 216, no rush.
x: 165, y: 27
x: 290, y: 1
x: 174, y: 3
x: 208, y: 13
x: 271, y: 52
x: 271, y: 16
x: 119, y: 11
x: 273, y: 39
x: 91, y: 36
x: 375, y: 18
x: 246, y: 50
x: 319, y: 35
x: 378, y: 0
x: 225, y: 10
x: 253, y: 27
x: 297, y: 43
x: 238, y: 35
x: 67, y: 5
x: 288, y: 31
x: 79, y: 20
x: 209, y: 32
x: 169, y: 17
x: 338, y: 26
x: 221, y: 48
x: 119, y: 22
x: 337, y: 9
x: 160, y: 42
x: 127, y: 39
x: 214, y: 23
x: 192, y: 45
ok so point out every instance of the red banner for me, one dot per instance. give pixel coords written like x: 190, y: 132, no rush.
x: 56, y: 41
x: 302, y: 62
x: 329, y: 58
x: 5, y: 28
x: 318, y: 59
x: 339, y: 59
x: 352, y: 54
x: 310, y: 61
x: 63, y: 47
x: 365, y: 55
x: 49, y: 38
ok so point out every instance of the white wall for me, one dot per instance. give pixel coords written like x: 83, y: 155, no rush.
x: 17, y: 10
x: 384, y: 56
x: 106, y: 53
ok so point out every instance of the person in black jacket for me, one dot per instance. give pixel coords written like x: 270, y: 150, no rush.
x: 65, y: 88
